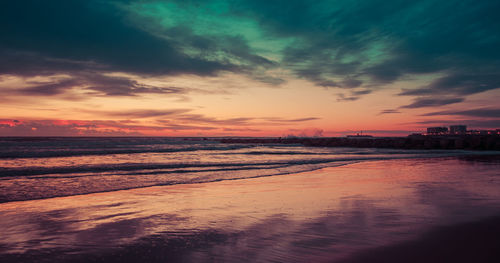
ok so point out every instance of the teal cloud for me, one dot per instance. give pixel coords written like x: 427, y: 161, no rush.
x: 359, y: 46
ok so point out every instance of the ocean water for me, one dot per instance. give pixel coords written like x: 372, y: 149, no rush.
x: 195, y: 200
x: 37, y: 168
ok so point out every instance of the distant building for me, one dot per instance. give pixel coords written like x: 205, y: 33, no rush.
x: 458, y: 129
x: 437, y: 130
x: 360, y: 135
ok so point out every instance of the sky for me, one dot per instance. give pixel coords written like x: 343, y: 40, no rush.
x: 247, y: 67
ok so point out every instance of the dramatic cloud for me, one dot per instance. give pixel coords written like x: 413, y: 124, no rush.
x: 348, y: 43
x: 214, y: 55
x: 460, y: 84
x: 56, y: 36
x: 342, y: 44
x: 431, y: 102
x: 94, y: 84
x: 481, y: 112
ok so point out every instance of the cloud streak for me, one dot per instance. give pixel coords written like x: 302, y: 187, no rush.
x: 480, y: 112
x: 94, y: 84
x: 132, y: 124
x: 139, y: 114
x: 389, y: 111
x: 431, y: 102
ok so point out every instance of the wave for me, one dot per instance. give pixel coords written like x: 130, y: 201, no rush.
x: 102, y: 168
x: 197, y: 180
x: 29, y: 183
x: 350, y: 151
x: 278, y: 153
x: 130, y: 163
x: 27, y: 171
x: 30, y: 153
x: 152, y: 172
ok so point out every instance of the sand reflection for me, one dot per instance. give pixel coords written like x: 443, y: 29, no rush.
x: 321, y: 215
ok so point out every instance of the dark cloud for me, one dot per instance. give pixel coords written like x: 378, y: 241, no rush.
x: 343, y: 97
x: 459, y: 84
x: 390, y: 111
x: 320, y: 67
x: 422, y: 102
x: 48, y: 36
x: 361, y: 92
x: 359, y: 45
x: 376, y: 43
x: 54, y: 88
x: 481, y: 112
x: 54, y: 128
x: 354, y: 95
x: 137, y: 114
x: 87, y: 38
x: 96, y: 84
x: 123, y: 86
x: 300, y: 119
x: 234, y: 50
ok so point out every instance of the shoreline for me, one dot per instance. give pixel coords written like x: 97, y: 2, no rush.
x: 483, y: 156
x: 323, y: 215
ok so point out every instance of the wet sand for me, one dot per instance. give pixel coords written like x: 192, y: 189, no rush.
x: 477, y: 241
x: 380, y: 211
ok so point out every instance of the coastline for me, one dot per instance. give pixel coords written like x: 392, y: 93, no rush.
x: 323, y: 215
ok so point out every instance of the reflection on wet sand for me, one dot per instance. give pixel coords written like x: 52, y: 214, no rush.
x: 476, y: 241
x: 326, y: 215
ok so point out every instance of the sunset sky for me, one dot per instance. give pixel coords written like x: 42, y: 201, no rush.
x: 247, y: 67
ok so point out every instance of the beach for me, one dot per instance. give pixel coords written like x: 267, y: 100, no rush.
x: 148, y: 131
x: 346, y: 213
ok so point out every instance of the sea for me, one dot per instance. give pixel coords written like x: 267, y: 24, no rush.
x: 158, y: 199
x: 37, y: 168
